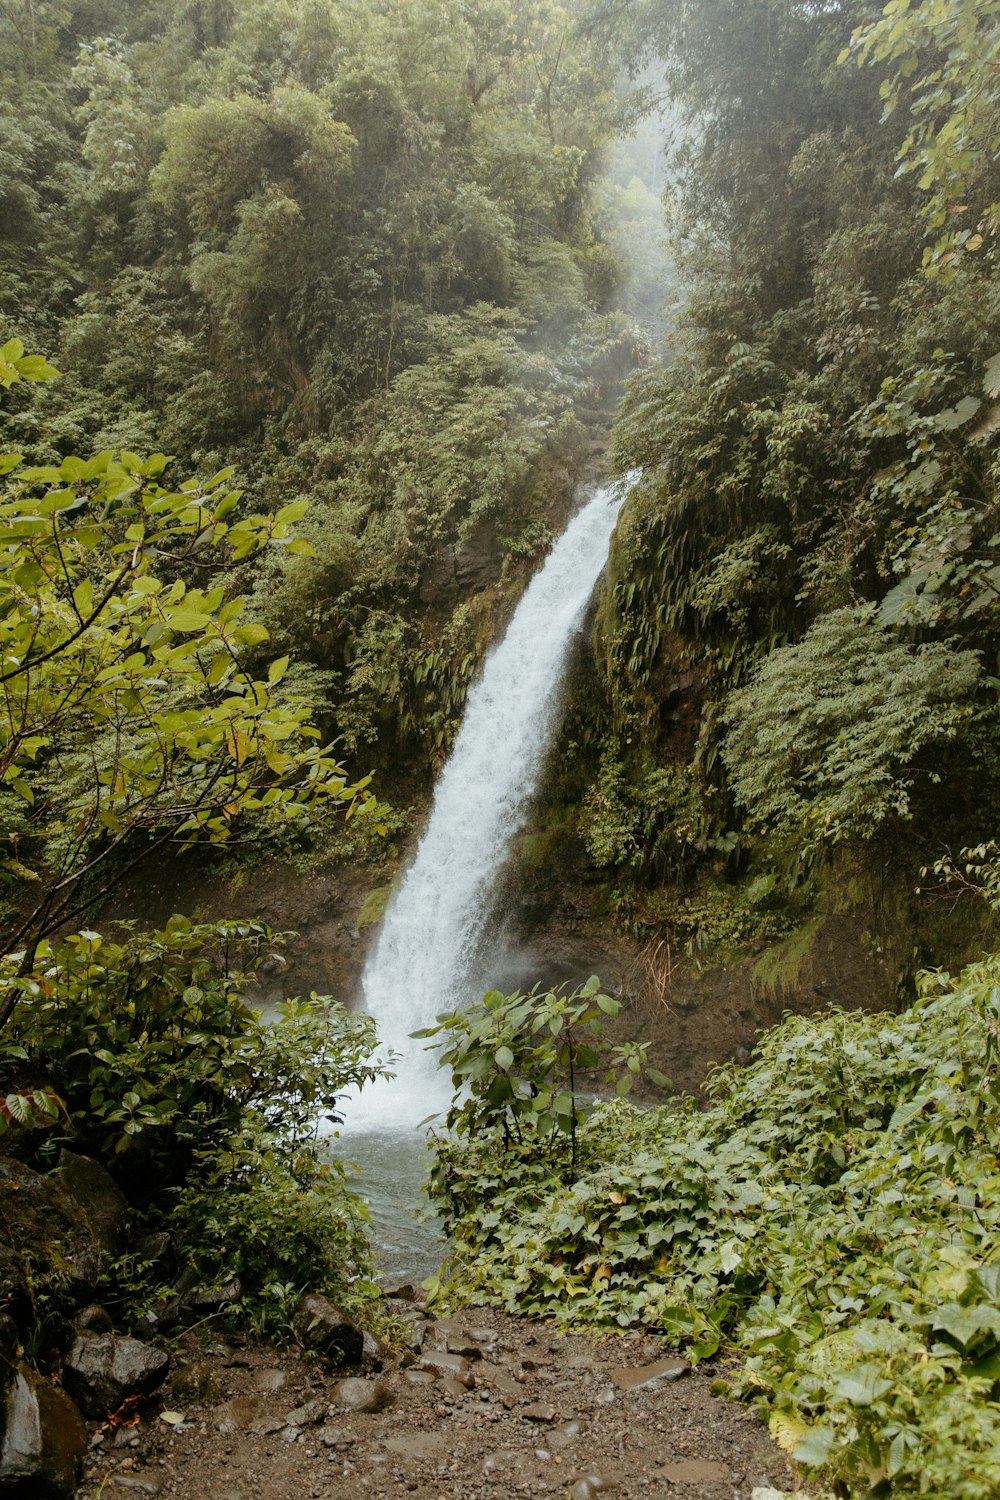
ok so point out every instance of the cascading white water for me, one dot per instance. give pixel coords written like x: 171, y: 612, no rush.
x: 422, y: 960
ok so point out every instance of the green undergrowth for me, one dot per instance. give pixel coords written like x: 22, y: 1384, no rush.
x: 833, y: 1214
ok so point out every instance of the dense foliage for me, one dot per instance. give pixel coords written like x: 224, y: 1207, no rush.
x: 799, y: 626
x: 356, y: 249
x: 832, y: 1213
x: 212, y: 1118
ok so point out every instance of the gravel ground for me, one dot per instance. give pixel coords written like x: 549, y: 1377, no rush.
x: 479, y: 1407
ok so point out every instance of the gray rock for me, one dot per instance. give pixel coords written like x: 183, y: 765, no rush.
x: 374, y: 1353
x: 104, y: 1211
x: 452, y: 1389
x: 362, y: 1395
x: 93, y: 1319
x: 100, y: 1371
x: 154, y: 1248
x: 205, y: 1301
x: 321, y: 1325
x: 44, y: 1440
x: 308, y: 1415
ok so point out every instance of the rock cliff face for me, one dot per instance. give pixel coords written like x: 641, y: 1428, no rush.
x: 552, y: 930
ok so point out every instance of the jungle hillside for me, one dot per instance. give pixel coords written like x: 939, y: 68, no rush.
x: 318, y: 318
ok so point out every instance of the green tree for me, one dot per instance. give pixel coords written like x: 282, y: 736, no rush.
x: 129, y: 716
x: 943, y: 59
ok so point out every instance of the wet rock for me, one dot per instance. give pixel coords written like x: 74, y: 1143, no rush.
x: 93, y: 1319
x: 101, y: 1370
x: 357, y: 1394
x: 154, y: 1249
x: 104, y: 1211
x: 631, y: 1377
x: 44, y: 1440
x: 321, y: 1325
x: 205, y: 1301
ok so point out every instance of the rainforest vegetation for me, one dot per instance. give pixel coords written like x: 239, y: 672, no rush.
x: 315, y: 315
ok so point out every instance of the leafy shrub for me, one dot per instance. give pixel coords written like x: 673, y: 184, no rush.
x: 516, y: 1063
x: 207, y: 1113
x: 834, y: 1213
x: 818, y: 746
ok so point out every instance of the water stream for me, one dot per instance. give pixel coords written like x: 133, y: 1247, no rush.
x: 432, y: 949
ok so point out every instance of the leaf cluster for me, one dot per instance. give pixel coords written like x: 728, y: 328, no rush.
x: 833, y: 1214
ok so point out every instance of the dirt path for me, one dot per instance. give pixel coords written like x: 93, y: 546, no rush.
x: 481, y: 1407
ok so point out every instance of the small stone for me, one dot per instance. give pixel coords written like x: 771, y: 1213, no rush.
x: 357, y: 1394
x: 631, y: 1377
x: 539, y: 1412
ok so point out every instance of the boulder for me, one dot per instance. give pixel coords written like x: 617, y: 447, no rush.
x: 44, y: 1440
x: 93, y: 1319
x: 104, y: 1211
x: 321, y: 1325
x: 42, y: 1221
x: 100, y: 1371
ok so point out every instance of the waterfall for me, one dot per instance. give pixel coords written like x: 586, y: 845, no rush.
x: 424, y: 959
